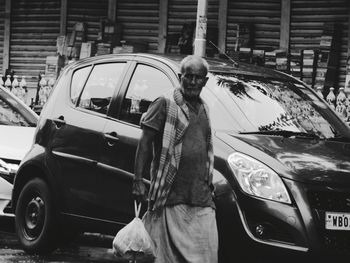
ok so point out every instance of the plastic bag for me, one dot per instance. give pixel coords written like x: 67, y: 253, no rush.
x: 133, y: 242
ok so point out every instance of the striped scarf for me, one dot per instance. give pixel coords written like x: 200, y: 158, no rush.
x: 177, y: 121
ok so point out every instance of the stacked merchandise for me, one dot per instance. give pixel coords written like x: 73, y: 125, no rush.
x: 76, y: 39
x: 282, y: 60
x: 308, y: 66
x: 243, y: 36
x: 296, y: 63
x: 258, y: 57
x: 245, y: 54
x: 109, y: 36
x: 240, y: 37
x: 321, y: 70
x: 103, y: 49
x: 327, y: 62
x: 53, y: 66
x: 130, y: 47
x: 270, y: 59
x: 110, y: 32
x: 87, y: 49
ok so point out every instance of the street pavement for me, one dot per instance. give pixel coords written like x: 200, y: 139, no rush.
x: 92, y: 247
x: 87, y: 248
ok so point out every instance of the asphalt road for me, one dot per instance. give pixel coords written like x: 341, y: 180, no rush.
x: 92, y: 248
x: 87, y: 248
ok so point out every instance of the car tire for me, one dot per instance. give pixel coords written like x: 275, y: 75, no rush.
x: 35, y: 218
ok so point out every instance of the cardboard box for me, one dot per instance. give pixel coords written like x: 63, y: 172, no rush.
x: 258, y: 57
x: 87, y: 50
x: 53, y: 66
x: 103, y: 49
x: 296, y: 63
x: 245, y: 55
x: 270, y: 59
x: 132, y: 47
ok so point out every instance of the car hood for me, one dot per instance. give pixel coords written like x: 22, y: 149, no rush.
x: 15, y: 141
x: 303, y: 159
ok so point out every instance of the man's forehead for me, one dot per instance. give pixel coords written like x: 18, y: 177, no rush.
x: 195, y: 66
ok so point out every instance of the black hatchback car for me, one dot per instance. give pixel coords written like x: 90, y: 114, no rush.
x: 282, y: 155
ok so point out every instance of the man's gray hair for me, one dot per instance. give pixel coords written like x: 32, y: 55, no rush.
x: 196, y: 59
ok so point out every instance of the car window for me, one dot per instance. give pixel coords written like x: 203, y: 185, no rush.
x: 9, y: 115
x: 146, y: 85
x: 78, y: 81
x: 100, y: 86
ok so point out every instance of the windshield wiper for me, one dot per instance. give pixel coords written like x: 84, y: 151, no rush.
x: 339, y: 138
x: 285, y: 134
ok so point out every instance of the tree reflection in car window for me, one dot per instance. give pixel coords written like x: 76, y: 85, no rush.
x: 273, y: 105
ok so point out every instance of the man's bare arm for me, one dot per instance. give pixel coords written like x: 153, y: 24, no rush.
x: 142, y: 162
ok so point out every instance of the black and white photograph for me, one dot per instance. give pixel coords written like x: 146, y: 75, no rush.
x: 174, y: 131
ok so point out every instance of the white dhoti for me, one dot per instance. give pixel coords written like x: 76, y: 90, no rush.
x: 183, y: 234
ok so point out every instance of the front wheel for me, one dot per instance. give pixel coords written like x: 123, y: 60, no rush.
x: 36, y: 224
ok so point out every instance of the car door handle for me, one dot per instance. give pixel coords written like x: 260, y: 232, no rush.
x: 59, y: 122
x: 111, y: 138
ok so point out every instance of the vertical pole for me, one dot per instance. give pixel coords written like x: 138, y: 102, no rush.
x: 7, y: 35
x: 163, y: 24
x: 112, y: 10
x: 201, y: 28
x: 222, y: 21
x: 63, y: 18
x: 285, y: 24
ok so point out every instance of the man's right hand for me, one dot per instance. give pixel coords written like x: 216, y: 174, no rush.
x: 139, y: 190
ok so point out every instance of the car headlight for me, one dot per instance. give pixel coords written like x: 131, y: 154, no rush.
x: 255, y: 178
x: 7, y: 168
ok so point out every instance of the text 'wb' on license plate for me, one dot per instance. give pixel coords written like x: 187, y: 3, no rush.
x: 337, y: 221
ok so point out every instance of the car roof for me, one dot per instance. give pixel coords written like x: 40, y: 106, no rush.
x: 224, y: 65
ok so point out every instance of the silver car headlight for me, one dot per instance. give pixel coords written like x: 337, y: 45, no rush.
x: 8, y: 168
x: 256, y: 179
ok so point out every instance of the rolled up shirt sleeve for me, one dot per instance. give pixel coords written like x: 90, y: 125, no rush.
x: 155, y: 115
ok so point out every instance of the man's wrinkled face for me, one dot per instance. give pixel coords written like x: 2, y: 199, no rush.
x: 193, y: 79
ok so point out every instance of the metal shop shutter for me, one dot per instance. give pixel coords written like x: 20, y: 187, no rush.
x: 35, y: 25
x: 185, y: 11
x: 90, y: 12
x: 140, y: 21
x: 307, y: 20
x: 265, y: 17
x: 2, y: 17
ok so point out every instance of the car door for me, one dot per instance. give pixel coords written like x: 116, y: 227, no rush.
x: 79, y: 134
x: 122, y: 133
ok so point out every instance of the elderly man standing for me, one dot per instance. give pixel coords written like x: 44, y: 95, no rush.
x: 176, y: 132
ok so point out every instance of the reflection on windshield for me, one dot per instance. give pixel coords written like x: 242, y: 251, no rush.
x: 9, y: 116
x: 270, y: 105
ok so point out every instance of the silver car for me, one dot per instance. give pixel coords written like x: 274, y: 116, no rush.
x: 17, y: 127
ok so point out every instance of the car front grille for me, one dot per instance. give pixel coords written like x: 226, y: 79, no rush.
x: 337, y: 241
x: 334, y: 241
x: 330, y: 201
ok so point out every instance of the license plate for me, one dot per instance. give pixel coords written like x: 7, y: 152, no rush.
x: 337, y: 221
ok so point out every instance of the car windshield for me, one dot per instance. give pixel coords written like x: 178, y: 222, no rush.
x: 250, y: 104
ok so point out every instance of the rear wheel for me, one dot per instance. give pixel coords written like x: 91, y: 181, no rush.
x: 36, y: 224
